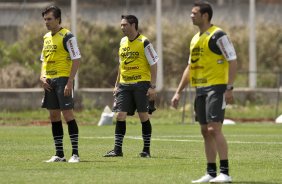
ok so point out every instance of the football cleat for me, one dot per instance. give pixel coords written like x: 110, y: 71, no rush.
x: 144, y: 154
x: 112, y: 153
x: 204, y: 179
x: 74, y: 159
x: 56, y: 159
x: 221, y: 178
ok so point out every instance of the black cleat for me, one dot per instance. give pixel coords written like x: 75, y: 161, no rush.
x: 112, y: 153
x: 144, y: 154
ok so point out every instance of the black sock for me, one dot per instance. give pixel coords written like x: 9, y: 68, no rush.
x: 224, y: 168
x: 146, y: 134
x: 58, y: 134
x: 73, y: 133
x: 119, y: 135
x: 211, y: 169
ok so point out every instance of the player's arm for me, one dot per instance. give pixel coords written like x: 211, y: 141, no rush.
x: 72, y: 48
x: 183, y: 83
x: 227, y: 49
x: 116, y: 83
x: 43, y: 79
x: 152, y: 59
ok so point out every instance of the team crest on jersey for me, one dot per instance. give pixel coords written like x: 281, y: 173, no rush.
x: 140, y: 40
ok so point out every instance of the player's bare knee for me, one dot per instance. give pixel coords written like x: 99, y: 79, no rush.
x: 143, y: 116
x: 68, y: 115
x: 55, y: 115
x: 121, y: 116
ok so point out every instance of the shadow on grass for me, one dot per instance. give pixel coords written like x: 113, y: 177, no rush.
x: 170, y: 158
x: 86, y: 161
x: 254, y: 182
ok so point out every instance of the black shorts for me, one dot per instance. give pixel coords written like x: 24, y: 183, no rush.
x: 132, y: 97
x: 210, y: 107
x: 55, y: 98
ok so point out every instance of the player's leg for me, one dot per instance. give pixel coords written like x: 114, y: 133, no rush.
x: 58, y: 134
x: 215, y: 117
x: 215, y: 129
x: 66, y: 105
x: 123, y: 105
x: 142, y: 106
x: 209, y: 144
x: 120, y: 131
x: 146, y: 133
x: 210, y: 150
x: 73, y: 134
x: 50, y: 101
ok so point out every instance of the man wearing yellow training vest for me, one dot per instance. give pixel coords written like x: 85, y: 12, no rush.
x: 211, y: 70
x: 60, y: 60
x: 135, y: 84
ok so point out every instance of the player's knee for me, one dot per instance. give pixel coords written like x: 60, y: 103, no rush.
x: 55, y: 116
x: 68, y: 115
x: 121, y: 116
x: 205, y: 133
x: 143, y: 116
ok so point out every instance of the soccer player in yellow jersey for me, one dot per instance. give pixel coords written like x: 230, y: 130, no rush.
x: 60, y: 60
x: 135, y: 84
x: 211, y: 70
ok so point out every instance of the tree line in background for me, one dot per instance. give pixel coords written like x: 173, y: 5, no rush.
x: 99, y: 43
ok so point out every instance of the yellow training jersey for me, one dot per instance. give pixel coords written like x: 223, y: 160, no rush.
x: 56, y: 59
x: 206, y: 67
x: 134, y: 66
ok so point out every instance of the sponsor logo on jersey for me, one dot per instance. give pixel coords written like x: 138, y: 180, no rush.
x: 47, y: 56
x: 129, y: 54
x: 199, y: 81
x: 51, y: 72
x: 71, y: 48
x: 196, y: 67
x: 197, y: 51
x: 131, y: 67
x: 127, y: 62
x: 51, y: 62
x: 131, y: 78
x: 151, y: 53
x: 194, y: 60
x: 223, y: 48
x: 50, y: 47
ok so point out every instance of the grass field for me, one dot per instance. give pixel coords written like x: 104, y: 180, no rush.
x: 177, y: 155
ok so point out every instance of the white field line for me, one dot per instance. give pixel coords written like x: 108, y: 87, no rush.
x: 165, y: 139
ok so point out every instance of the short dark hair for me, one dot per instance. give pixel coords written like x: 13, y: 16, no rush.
x: 131, y: 19
x: 205, y: 7
x: 56, y: 12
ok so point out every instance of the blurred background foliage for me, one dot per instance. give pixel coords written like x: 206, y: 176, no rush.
x: 99, y: 43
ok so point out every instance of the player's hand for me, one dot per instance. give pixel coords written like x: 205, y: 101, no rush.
x: 68, y: 88
x: 45, y: 84
x: 175, y: 100
x: 229, y: 96
x: 115, y: 91
x: 151, y: 93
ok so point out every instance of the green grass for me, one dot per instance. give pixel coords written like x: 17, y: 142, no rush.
x: 239, y: 113
x: 87, y: 116
x: 177, y: 155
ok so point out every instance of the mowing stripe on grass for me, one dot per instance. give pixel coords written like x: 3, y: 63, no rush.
x: 182, y: 140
